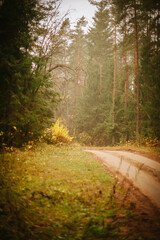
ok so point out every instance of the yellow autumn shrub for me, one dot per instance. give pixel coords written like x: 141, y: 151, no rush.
x: 150, y: 142
x: 85, y: 138
x: 57, y: 134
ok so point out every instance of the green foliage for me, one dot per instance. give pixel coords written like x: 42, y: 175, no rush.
x: 27, y: 95
x: 149, y: 90
x: 57, y: 134
x: 31, y: 49
x: 94, y: 106
x: 94, y: 113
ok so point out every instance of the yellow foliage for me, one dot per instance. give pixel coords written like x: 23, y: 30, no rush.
x: 15, y: 128
x: 57, y: 134
x: 151, y: 142
x: 1, y: 133
x: 85, y: 139
x: 29, y: 145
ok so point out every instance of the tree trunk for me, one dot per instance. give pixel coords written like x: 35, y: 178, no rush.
x: 66, y: 86
x: 100, y: 78
x: 126, y: 85
x: 126, y: 75
x: 114, y: 84
x: 137, y: 68
x: 77, y: 83
x: 76, y: 93
x: 157, y: 30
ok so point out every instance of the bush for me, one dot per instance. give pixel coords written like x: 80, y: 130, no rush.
x: 85, y: 138
x: 150, y: 142
x: 57, y: 134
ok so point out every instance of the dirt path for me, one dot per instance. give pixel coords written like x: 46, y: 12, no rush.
x: 139, y: 175
x: 143, y: 172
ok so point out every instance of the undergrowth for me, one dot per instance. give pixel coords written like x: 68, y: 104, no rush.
x: 129, y: 146
x: 58, y: 193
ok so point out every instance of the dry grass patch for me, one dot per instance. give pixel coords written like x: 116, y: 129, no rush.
x: 58, y: 193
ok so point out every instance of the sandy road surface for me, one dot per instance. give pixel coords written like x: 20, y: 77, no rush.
x: 143, y: 172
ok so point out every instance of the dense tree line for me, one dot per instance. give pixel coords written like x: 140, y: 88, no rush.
x: 106, y: 80
x: 30, y: 35
x: 116, y: 83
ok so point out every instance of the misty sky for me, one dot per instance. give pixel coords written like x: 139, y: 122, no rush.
x: 78, y: 8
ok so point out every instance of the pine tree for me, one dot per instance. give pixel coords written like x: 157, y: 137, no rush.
x: 24, y: 51
x: 93, y: 110
x: 149, y: 72
x: 77, y: 51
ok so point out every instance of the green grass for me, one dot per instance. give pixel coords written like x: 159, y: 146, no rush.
x: 58, y: 193
x: 130, y: 147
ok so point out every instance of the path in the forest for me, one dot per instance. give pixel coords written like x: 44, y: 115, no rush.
x: 143, y: 172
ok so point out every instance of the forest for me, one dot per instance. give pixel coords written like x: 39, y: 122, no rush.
x: 102, y: 83
x: 67, y: 92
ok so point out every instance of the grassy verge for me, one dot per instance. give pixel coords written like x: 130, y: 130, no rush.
x: 131, y: 147
x: 58, y: 193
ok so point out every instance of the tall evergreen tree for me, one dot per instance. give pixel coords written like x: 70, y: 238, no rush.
x: 149, y: 71
x: 93, y: 110
x: 24, y: 50
x: 77, y: 61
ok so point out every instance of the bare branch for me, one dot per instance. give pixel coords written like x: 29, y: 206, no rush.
x: 60, y: 66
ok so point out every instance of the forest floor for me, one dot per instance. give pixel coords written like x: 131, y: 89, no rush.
x: 146, y: 151
x: 64, y: 193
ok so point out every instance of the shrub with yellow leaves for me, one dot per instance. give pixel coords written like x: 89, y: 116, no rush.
x: 57, y: 134
x: 85, y: 138
x: 150, y: 142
